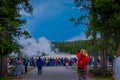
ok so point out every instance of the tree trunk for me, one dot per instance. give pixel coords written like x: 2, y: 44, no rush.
x: 95, y: 63
x: 3, y: 65
x: 104, y: 62
x: 104, y: 55
x: 95, y: 72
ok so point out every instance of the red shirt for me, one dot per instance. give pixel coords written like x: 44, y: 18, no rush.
x: 82, y: 60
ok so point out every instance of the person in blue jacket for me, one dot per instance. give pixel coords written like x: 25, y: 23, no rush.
x: 39, y: 64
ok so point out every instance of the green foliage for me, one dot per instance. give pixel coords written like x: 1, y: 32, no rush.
x: 10, y: 24
x: 104, y: 19
x: 74, y: 47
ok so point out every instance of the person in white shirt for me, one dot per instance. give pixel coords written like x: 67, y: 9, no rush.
x: 116, y: 66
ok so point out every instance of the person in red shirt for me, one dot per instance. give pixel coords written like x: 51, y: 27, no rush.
x: 83, y: 58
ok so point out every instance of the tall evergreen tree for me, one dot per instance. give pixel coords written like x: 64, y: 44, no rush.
x: 10, y: 27
x: 103, y: 18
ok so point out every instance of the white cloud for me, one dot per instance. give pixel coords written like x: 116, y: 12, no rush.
x: 22, y: 12
x: 79, y: 8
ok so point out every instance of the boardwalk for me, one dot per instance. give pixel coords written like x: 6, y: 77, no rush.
x: 52, y: 73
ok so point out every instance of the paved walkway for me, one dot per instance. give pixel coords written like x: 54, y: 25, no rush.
x: 51, y: 73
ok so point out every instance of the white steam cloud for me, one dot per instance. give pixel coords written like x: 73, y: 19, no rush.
x: 33, y: 47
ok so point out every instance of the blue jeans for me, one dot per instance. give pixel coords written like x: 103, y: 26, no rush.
x: 39, y: 70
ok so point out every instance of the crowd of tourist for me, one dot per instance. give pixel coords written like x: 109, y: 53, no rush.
x: 54, y: 61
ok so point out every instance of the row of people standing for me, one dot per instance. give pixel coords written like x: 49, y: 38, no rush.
x: 59, y: 61
x: 47, y: 61
x: 12, y: 61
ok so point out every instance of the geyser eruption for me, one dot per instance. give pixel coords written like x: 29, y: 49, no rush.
x: 34, y: 47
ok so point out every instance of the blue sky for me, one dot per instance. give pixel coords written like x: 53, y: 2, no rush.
x: 50, y: 19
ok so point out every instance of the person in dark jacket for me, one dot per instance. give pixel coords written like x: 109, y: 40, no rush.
x: 39, y: 64
x: 25, y: 63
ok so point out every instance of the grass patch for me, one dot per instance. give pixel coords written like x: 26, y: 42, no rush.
x: 101, y: 77
x: 2, y: 78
